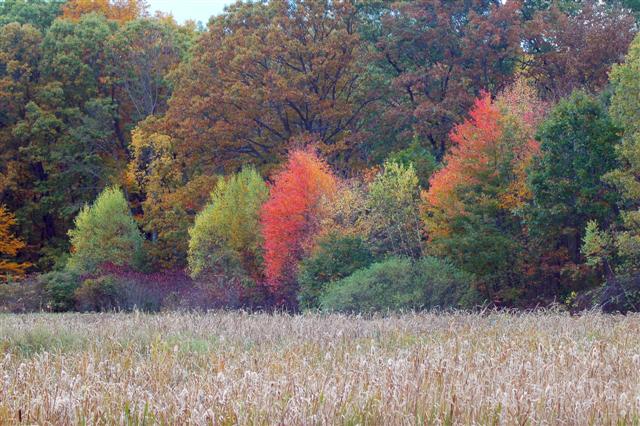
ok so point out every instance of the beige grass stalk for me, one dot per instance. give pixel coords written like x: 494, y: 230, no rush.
x: 238, y: 368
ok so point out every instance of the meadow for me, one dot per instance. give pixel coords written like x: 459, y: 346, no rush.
x: 241, y: 368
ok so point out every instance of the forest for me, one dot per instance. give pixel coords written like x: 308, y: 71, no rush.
x: 343, y: 155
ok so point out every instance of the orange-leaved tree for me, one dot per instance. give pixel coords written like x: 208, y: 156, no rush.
x: 10, y: 245
x: 117, y: 10
x: 291, y: 217
x: 472, y: 207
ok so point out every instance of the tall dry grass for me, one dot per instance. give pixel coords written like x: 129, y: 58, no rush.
x: 237, y: 368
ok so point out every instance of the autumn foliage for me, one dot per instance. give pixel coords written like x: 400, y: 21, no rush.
x: 10, y: 245
x: 496, y: 142
x: 472, y: 205
x: 290, y: 217
x: 483, y: 133
x: 117, y: 10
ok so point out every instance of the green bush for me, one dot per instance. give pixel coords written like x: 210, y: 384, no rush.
x: 399, y: 283
x: 59, y: 288
x: 335, y: 258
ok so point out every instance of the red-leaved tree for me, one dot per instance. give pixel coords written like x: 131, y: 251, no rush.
x: 472, y: 207
x: 290, y: 218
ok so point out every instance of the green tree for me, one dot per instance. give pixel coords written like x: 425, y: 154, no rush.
x: 62, y: 140
x: 577, y: 148
x: 617, y: 248
x: 39, y: 13
x: 225, y: 235
x: 423, y: 162
x: 105, y: 232
x: 393, y: 219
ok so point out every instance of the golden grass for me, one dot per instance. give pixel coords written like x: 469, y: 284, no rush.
x: 238, y: 368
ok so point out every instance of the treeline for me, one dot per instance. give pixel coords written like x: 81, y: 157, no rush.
x: 357, y: 155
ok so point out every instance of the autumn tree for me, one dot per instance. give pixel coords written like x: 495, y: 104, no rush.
x: 168, y: 195
x: 10, y: 246
x: 438, y: 56
x: 471, y: 207
x: 226, y: 238
x: 116, y: 10
x: 573, y: 47
x: 290, y: 218
x: 266, y: 72
x: 278, y: 70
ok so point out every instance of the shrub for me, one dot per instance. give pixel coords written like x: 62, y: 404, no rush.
x: 59, y: 288
x: 167, y: 289
x: 105, y: 232
x: 399, y: 283
x: 134, y: 289
x: 97, y: 294
x: 336, y: 257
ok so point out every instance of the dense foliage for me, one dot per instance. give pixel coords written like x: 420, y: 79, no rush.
x: 105, y: 232
x: 399, y: 283
x: 224, y: 237
x: 316, y: 154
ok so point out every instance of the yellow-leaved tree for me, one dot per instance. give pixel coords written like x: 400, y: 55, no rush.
x: 10, y: 245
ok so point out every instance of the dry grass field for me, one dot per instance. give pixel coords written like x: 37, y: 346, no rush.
x: 238, y: 368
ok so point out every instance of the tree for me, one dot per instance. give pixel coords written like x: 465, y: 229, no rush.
x: 225, y: 235
x: 625, y: 238
x: 10, y: 245
x: 105, y: 232
x: 577, y: 148
x: 420, y: 158
x: 168, y: 195
x: 38, y: 13
x: 473, y: 202
x: 265, y: 73
x: 68, y: 100
x: 143, y: 54
x: 574, y: 48
x: 439, y: 55
x: 290, y: 218
x: 117, y: 10
x: 62, y: 142
x: 392, y: 212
